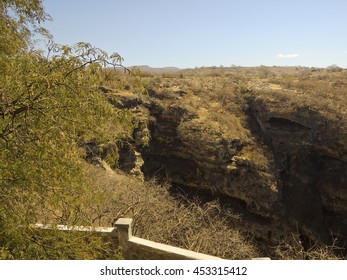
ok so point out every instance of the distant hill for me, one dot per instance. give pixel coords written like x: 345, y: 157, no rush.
x: 147, y: 68
x: 334, y: 67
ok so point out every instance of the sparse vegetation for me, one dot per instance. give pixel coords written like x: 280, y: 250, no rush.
x: 52, y: 105
x: 220, y: 103
x: 168, y: 219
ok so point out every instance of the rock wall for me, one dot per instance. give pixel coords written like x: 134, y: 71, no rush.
x: 310, y: 147
x: 287, y: 164
x: 190, y: 149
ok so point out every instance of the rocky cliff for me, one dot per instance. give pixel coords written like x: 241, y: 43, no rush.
x: 309, y: 144
x: 281, y: 156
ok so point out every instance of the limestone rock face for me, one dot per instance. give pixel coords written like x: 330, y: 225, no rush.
x: 284, y: 160
x: 194, y: 146
x: 309, y: 144
x: 192, y: 150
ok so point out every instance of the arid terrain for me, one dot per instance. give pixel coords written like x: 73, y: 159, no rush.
x: 268, y: 143
x: 235, y: 162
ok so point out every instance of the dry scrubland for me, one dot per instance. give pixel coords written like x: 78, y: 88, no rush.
x: 235, y: 162
x: 216, y: 100
x: 173, y: 220
x: 206, y: 106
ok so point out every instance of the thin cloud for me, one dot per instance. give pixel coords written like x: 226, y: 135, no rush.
x: 289, y: 55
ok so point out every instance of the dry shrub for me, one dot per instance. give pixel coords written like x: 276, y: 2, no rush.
x: 293, y: 249
x: 177, y: 221
x: 196, y: 226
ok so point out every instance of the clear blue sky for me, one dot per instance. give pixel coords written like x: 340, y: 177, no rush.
x: 190, y: 33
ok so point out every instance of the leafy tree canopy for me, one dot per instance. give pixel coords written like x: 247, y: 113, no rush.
x: 49, y: 106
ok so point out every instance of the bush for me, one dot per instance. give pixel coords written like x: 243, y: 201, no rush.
x: 49, y: 106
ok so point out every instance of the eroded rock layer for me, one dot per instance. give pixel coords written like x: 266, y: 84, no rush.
x: 309, y: 144
x: 282, y: 155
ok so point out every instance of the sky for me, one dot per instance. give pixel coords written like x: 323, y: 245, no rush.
x: 196, y: 33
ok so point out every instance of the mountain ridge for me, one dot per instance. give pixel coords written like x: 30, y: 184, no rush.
x: 156, y: 70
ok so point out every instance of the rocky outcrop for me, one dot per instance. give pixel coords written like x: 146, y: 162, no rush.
x: 310, y: 148
x: 191, y: 148
x: 284, y: 161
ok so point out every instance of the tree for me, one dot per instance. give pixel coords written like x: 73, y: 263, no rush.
x: 49, y: 106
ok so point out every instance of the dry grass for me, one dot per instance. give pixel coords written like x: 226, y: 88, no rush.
x: 323, y: 90
x: 184, y: 222
x: 293, y: 249
x: 160, y: 217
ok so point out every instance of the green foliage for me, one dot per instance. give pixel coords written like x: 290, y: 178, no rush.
x: 112, y: 156
x: 18, y: 18
x: 55, y: 244
x: 49, y: 107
